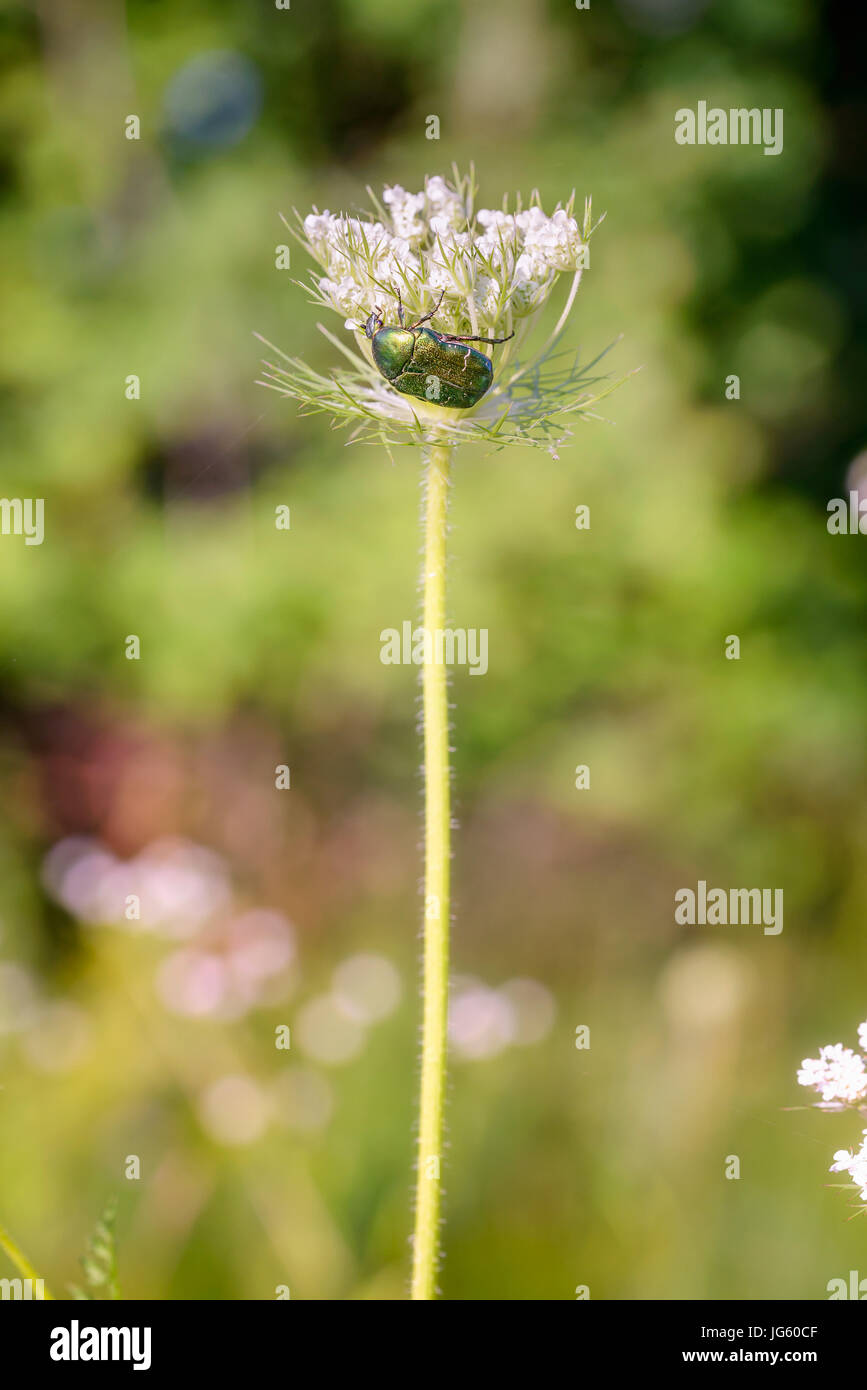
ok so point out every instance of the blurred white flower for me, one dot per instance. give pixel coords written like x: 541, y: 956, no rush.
x: 703, y: 990
x: 326, y: 1034
x: 484, y: 1020
x: 177, y: 885
x: 303, y: 1099
x: 840, y: 1077
x: 180, y: 885
x: 838, y: 1074
x: 58, y: 1037
x: 234, y: 1110
x: 366, y: 988
x: 533, y: 1008
x: 74, y: 872
x: 855, y: 1164
x: 842, y: 1160
x: 227, y: 971
x: 261, y: 943
x: 481, y: 1020
x: 194, y: 984
x: 18, y: 997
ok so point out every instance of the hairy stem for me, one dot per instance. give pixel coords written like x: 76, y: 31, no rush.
x: 437, y: 816
x: 20, y: 1261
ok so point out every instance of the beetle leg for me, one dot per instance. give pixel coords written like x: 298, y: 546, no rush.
x: 400, y: 316
x: 472, y: 338
x: 425, y: 318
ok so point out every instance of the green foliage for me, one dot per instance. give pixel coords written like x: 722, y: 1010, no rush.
x: 99, y: 1262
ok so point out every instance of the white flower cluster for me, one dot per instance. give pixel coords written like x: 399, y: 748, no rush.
x: 494, y: 267
x: 357, y: 257
x: 838, y: 1073
x: 855, y: 1164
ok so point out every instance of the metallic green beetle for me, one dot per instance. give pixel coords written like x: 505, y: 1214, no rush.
x: 432, y: 366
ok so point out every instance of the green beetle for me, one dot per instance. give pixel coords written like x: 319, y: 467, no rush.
x: 432, y: 366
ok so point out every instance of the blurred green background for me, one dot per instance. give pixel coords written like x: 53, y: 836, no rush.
x: 260, y: 647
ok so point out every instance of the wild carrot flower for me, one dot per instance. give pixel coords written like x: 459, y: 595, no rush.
x: 855, y: 1164
x: 839, y: 1075
x: 488, y: 273
x: 493, y: 271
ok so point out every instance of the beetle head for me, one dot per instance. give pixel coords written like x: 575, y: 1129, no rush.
x: 374, y: 322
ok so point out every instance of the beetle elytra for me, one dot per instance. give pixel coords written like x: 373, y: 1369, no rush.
x: 440, y: 368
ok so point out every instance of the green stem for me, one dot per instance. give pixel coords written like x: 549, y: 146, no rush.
x: 437, y: 817
x: 20, y: 1261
